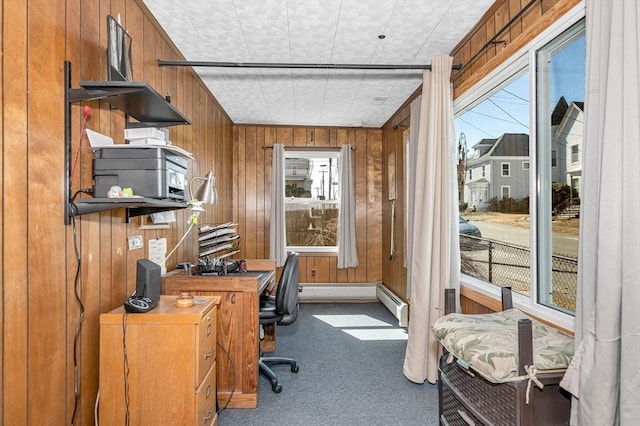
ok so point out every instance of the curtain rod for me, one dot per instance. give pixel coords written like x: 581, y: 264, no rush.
x: 494, y: 39
x: 309, y: 148
x: 165, y: 63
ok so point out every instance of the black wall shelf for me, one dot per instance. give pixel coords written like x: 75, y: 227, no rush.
x: 137, y: 100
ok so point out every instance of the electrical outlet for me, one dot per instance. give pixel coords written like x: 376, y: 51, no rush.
x: 135, y: 242
x: 313, y: 272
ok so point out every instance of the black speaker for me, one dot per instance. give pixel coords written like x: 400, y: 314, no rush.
x: 148, y: 280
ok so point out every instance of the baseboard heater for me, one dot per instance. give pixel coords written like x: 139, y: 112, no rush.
x: 394, y: 304
x: 345, y: 292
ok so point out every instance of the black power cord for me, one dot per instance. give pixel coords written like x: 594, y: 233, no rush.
x: 125, y: 366
x: 76, y: 337
x: 233, y: 386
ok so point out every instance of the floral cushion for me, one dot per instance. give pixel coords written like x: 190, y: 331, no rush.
x: 488, y: 343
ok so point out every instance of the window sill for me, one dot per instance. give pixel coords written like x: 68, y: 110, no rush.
x: 315, y: 251
x: 489, y: 296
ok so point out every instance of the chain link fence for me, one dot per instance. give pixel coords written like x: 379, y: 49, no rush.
x: 509, y: 265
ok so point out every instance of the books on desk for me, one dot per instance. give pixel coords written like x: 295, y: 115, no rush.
x: 218, y: 240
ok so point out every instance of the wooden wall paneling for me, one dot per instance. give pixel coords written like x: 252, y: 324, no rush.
x: 212, y: 144
x: 226, y: 209
x: 181, y: 98
x: 304, y: 270
x: 300, y: 136
x: 235, y: 175
x: 261, y: 196
x: 321, y: 137
x: 150, y: 66
x: 169, y: 84
x: 217, y: 156
x: 46, y: 301
x: 39, y: 312
x: 547, y: 4
x: 533, y: 14
x: 361, y: 175
x: 251, y: 192
x: 392, y: 265
x: 85, y: 66
x: 72, y: 48
x: 285, y: 136
x: 91, y: 246
x: 374, y: 205
x: 135, y: 27
x: 14, y: 211
x: 240, y: 190
x: 516, y: 37
x: 321, y: 264
x: 269, y: 138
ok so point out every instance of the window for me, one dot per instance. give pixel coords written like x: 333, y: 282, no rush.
x: 470, y: 174
x: 484, y: 171
x: 575, y: 152
x: 506, y: 191
x: 312, y: 199
x: 535, y: 245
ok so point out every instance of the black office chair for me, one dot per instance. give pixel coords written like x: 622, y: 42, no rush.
x: 275, y: 309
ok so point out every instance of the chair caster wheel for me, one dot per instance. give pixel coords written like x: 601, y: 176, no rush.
x: 276, y: 387
x: 294, y: 368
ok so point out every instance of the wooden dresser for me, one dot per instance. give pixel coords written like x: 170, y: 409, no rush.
x: 168, y: 375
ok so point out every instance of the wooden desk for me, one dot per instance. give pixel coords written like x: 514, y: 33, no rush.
x: 238, y: 328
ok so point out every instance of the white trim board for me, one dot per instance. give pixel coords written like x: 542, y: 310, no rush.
x: 338, y: 292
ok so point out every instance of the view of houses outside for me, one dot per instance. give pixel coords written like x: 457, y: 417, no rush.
x: 312, y: 199
x: 498, y: 161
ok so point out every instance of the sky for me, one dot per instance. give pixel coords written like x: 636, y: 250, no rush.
x: 507, y: 110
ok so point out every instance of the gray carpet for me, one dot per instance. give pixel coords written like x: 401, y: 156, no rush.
x: 342, y: 380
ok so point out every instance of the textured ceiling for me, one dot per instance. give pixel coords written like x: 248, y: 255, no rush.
x: 314, y: 32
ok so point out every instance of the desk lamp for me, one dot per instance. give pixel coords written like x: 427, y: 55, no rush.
x: 206, y: 194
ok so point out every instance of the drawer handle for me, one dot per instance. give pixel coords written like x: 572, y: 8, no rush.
x: 207, y: 393
x: 209, y: 415
x: 209, y: 353
x: 209, y: 330
x: 466, y: 418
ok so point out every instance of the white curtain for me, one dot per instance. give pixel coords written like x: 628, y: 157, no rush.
x: 604, y: 376
x: 435, y: 260
x: 412, y: 154
x: 347, y: 253
x: 277, y: 230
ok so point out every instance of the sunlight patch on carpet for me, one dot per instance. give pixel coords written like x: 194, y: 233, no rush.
x: 378, y: 334
x: 351, y: 321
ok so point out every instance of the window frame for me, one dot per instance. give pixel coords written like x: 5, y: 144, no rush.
x: 507, y: 169
x: 524, y: 58
x: 314, y: 153
x: 575, y: 156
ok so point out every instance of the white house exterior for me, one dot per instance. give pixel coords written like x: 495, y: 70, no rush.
x: 499, y: 168
x: 569, y: 134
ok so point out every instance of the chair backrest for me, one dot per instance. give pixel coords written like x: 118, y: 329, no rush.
x: 287, y: 292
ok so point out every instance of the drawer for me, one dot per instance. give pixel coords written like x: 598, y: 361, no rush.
x: 206, y: 350
x: 206, y: 400
x: 452, y: 411
x: 505, y: 403
x: 489, y: 402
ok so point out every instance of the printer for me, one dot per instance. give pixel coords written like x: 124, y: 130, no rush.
x: 150, y: 171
